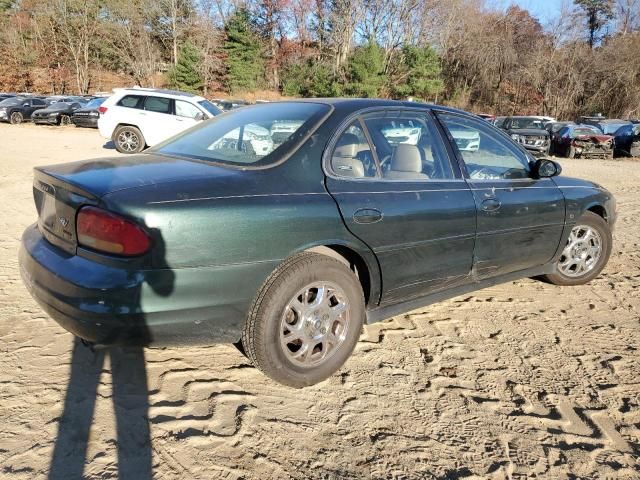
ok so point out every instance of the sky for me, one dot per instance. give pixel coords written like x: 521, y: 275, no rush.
x: 544, y: 10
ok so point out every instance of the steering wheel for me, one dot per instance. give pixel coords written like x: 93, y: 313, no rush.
x: 385, y: 163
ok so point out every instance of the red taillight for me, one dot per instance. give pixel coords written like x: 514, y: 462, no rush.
x: 110, y: 233
x: 102, y: 110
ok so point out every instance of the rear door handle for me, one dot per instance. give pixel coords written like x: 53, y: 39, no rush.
x: 367, y: 215
x: 491, y: 204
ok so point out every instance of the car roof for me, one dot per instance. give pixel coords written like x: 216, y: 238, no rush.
x: 161, y: 91
x: 362, y: 103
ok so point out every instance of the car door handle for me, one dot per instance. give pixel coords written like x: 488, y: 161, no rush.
x: 491, y: 204
x: 367, y: 215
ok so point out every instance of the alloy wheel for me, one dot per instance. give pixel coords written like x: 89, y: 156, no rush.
x: 582, y: 252
x: 128, y: 141
x: 314, y: 324
x: 16, y: 118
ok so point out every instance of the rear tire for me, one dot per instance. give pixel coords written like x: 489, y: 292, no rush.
x: 586, y: 253
x: 128, y: 139
x: 305, y: 321
x: 16, y: 118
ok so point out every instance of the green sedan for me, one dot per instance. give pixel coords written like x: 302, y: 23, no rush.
x: 287, y: 226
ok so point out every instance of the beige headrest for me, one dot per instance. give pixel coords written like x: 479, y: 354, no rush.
x: 406, y: 158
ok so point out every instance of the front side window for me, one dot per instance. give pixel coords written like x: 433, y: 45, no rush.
x: 352, y: 155
x: 248, y: 136
x: 188, y: 110
x: 486, y: 153
x: 158, y: 104
x: 408, y: 146
x: 131, y: 101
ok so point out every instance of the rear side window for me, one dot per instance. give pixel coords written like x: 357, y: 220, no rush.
x: 39, y: 102
x: 131, y: 101
x: 408, y: 146
x: 259, y: 135
x: 158, y: 104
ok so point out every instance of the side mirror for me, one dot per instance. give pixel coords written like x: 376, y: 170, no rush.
x: 199, y: 116
x: 25, y: 104
x: 545, y: 168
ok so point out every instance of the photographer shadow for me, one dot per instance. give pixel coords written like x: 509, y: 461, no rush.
x: 130, y: 390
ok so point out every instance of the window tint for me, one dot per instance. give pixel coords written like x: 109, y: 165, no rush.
x: 158, y: 104
x: 486, y: 153
x: 210, y: 107
x: 408, y: 146
x: 39, y: 102
x: 526, y: 123
x: 131, y: 101
x: 257, y: 135
x: 186, y: 109
x: 351, y: 155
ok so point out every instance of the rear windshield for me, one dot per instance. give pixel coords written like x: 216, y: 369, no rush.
x: 586, y: 131
x: 95, y: 102
x: 249, y: 136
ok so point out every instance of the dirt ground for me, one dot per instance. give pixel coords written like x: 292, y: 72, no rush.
x: 523, y: 380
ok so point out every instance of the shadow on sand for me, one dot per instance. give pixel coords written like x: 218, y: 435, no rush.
x: 129, y: 386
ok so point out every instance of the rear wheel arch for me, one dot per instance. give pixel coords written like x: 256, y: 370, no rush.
x: 352, y: 259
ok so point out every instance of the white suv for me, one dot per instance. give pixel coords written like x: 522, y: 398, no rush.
x: 135, y: 118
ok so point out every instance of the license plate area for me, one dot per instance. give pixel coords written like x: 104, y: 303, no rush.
x: 56, y: 219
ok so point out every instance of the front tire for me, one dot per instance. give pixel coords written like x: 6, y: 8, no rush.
x: 16, y: 118
x: 65, y: 120
x: 305, y: 321
x: 586, y: 253
x: 128, y: 139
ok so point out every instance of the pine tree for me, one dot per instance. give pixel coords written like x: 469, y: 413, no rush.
x: 185, y: 75
x: 365, y: 70
x: 598, y: 13
x: 421, y: 72
x: 245, y: 63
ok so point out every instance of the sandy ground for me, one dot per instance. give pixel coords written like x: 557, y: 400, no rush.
x: 518, y: 381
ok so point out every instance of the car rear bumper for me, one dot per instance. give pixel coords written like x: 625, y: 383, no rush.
x: 113, y: 306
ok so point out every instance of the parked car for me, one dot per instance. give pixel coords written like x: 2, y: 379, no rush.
x: 4, y: 96
x: 609, y: 126
x: 583, y: 141
x: 142, y: 117
x: 291, y: 252
x: 499, y: 121
x: 488, y: 117
x: 58, y: 113
x: 88, y: 115
x: 18, y: 109
x: 627, y: 140
x: 226, y: 105
x: 553, y: 128
x: 530, y: 133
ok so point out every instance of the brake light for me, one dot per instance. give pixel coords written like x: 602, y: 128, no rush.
x: 102, y: 110
x: 110, y: 233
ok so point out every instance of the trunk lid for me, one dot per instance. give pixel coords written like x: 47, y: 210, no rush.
x: 60, y: 190
x: 57, y: 203
x: 107, y: 175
